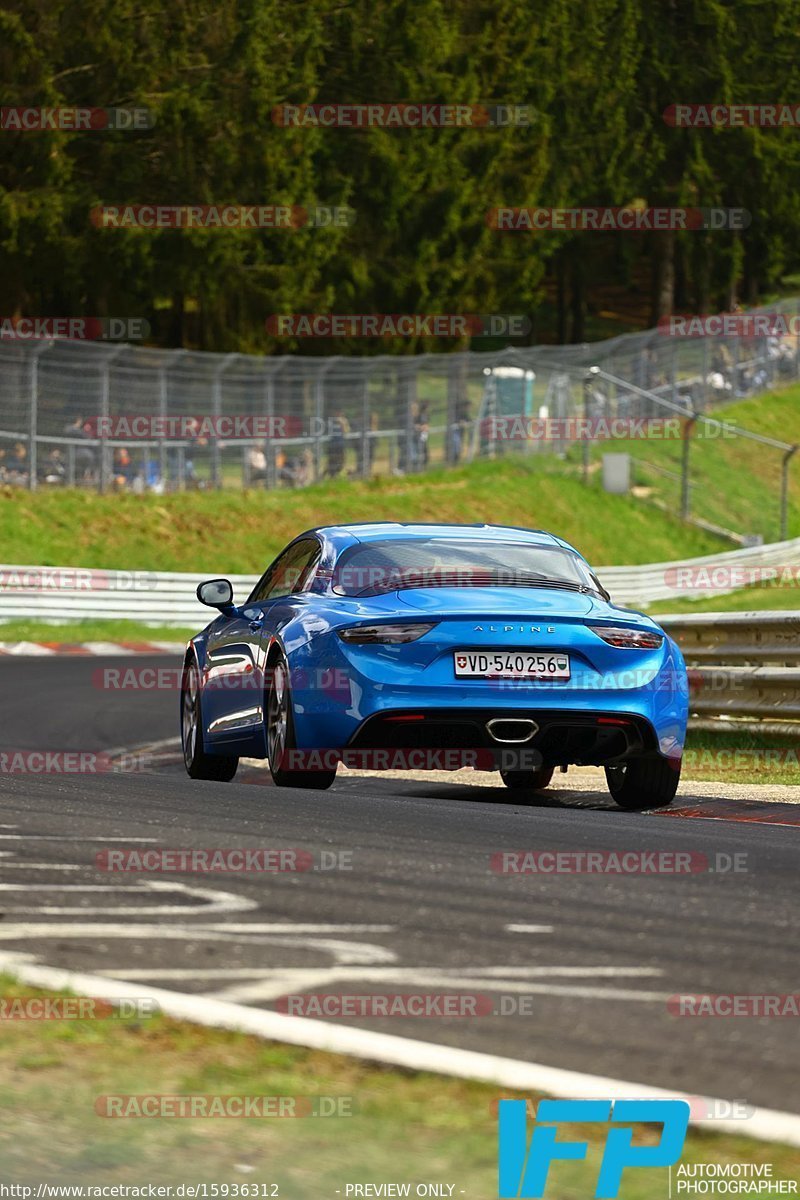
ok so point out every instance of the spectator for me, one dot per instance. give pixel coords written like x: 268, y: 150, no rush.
x: 459, y: 431
x: 52, y: 468
x: 85, y: 457
x: 256, y: 461
x: 337, y: 444
x: 421, y: 432
x: 17, y: 465
x: 304, y: 469
x: 123, y: 471
x: 284, y: 471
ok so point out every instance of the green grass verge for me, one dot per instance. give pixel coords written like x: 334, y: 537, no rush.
x: 747, y: 599
x: 212, y: 532
x: 405, y: 1127
x: 741, y: 758
x: 98, y: 630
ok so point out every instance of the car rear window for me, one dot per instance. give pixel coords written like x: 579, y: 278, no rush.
x: 430, y: 562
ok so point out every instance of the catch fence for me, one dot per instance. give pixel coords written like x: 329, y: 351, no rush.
x: 121, y: 417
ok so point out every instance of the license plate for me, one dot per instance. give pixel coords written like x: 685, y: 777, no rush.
x: 511, y: 664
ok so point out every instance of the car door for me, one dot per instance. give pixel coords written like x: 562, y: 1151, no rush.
x: 233, y: 693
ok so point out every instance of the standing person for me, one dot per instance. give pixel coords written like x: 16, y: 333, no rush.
x: 256, y: 461
x: 339, y: 428
x: 459, y: 432
x: 85, y: 458
x: 421, y: 432
x: 123, y: 471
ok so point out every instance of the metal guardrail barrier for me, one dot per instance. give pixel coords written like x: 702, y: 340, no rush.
x: 742, y: 669
x: 166, y: 598
x: 692, y: 578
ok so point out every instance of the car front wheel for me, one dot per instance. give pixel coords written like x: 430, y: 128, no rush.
x: 199, y: 765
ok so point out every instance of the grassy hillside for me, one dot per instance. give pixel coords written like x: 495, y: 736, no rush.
x: 239, y: 532
x: 736, y: 482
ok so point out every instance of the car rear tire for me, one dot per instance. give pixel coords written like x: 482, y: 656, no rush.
x: 219, y: 767
x: 281, y: 744
x: 531, y: 781
x: 649, y: 782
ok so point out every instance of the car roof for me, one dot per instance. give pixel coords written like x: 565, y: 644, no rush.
x: 370, y: 531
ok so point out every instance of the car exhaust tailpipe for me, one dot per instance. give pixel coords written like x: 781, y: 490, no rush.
x: 511, y: 730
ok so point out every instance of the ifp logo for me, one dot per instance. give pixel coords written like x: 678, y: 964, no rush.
x: 524, y: 1168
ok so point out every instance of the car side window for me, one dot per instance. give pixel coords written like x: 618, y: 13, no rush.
x: 289, y: 572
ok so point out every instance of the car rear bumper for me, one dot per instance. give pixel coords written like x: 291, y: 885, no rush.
x: 549, y: 736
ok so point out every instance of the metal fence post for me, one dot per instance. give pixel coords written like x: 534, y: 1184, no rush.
x: 162, y: 412
x: 787, y: 458
x: 366, y: 444
x: 273, y: 425
x: 33, y: 415
x: 180, y: 456
x: 102, y: 480
x: 216, y: 399
x: 685, y: 488
x: 588, y: 378
x: 319, y: 393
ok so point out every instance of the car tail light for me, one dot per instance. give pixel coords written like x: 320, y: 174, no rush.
x: 385, y: 634
x: 632, y: 639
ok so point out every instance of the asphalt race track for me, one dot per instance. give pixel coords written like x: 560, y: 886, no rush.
x: 593, y: 959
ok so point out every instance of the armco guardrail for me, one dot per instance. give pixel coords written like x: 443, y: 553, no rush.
x: 76, y: 594
x: 712, y: 574
x: 742, y: 667
x: 164, y: 598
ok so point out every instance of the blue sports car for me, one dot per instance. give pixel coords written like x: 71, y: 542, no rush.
x: 426, y: 646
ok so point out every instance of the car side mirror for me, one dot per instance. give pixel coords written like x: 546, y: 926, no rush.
x: 216, y: 593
